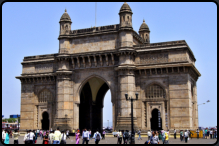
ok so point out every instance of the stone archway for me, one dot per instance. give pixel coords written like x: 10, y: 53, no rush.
x: 91, y: 104
x: 156, y: 120
x: 45, y: 121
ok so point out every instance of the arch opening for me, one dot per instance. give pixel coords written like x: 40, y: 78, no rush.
x: 91, y: 104
x: 45, y: 121
x: 156, y: 120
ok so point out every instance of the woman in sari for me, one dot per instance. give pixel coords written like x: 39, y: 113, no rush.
x: 77, y: 137
x: 7, y: 137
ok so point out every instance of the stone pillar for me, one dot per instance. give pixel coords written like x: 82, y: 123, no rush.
x: 126, y: 79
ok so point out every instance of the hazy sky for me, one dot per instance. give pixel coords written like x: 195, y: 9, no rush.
x: 30, y: 29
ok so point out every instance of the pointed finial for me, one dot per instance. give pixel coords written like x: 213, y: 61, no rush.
x: 65, y: 10
x: 125, y: 3
x: 143, y: 20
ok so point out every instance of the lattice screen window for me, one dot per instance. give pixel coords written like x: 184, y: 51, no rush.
x: 155, y: 91
x: 45, y: 96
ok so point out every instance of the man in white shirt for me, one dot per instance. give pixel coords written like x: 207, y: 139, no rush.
x: 85, y: 136
x: 174, y: 133
x: 51, y: 137
x: 26, y: 139
x: 97, y: 137
x: 186, y: 135
x: 31, y: 136
x: 63, y: 138
x: 197, y: 131
x: 211, y: 133
x: 57, y: 136
x: 3, y: 136
x: 119, y: 135
x: 149, y: 134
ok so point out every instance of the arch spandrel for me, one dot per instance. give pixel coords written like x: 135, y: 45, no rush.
x: 80, y: 87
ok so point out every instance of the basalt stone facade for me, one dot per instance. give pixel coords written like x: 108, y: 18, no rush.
x: 70, y: 86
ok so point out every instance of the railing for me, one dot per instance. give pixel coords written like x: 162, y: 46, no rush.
x: 162, y: 44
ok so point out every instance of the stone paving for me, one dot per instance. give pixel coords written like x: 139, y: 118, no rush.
x: 113, y: 140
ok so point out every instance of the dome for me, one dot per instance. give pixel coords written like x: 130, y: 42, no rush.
x: 65, y: 17
x: 125, y: 8
x: 144, y: 26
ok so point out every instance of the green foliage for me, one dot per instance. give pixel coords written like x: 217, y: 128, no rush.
x: 11, y: 120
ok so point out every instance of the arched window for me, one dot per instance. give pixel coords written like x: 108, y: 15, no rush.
x: 155, y: 91
x: 45, y: 96
x: 128, y: 18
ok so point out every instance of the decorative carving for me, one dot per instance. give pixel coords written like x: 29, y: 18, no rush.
x: 153, y: 58
x: 78, y: 62
x: 73, y: 63
x: 101, y: 62
x: 95, y: 61
x: 112, y: 58
x: 43, y: 68
x: 83, y: 59
x: 89, y: 60
x: 106, y: 59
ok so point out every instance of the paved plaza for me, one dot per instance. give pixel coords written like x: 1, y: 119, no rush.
x: 113, y: 140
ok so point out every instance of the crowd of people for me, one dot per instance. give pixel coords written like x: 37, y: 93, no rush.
x: 59, y: 137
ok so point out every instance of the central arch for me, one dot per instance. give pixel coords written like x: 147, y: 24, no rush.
x: 91, y: 105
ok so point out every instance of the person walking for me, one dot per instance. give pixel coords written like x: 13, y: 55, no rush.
x: 119, y: 136
x: 51, y: 137
x: 211, y: 134
x: 57, y: 136
x: 206, y: 131
x: 149, y: 134
x: 154, y: 139
x: 38, y: 132
x: 90, y: 137
x: 26, y: 139
x: 190, y: 134
x: 63, y: 138
x: 181, y: 135
x: 46, y: 138
x: 97, y: 137
x: 186, y: 135
x: 41, y: 134
x: 67, y: 134
x: 126, y: 136
x: 166, y: 141
x: 85, y: 136
x: 77, y: 138
x: 203, y: 132
x: 174, y: 134
x: 31, y: 136
x: 3, y: 136
x: 6, y: 141
x: 163, y: 136
x: 104, y: 133
x: 139, y: 134
x: 197, y: 131
x: 16, y: 134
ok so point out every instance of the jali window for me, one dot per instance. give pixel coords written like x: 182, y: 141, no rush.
x: 45, y: 96
x: 155, y: 91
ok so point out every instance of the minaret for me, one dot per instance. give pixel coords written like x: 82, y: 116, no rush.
x: 65, y: 23
x: 144, y: 32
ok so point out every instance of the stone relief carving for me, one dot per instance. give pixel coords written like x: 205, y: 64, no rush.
x: 43, y: 68
x: 153, y: 58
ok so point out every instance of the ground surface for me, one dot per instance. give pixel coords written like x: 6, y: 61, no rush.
x: 112, y: 140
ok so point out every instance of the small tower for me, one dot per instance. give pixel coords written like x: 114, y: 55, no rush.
x: 144, y: 32
x: 65, y: 23
x: 125, y: 14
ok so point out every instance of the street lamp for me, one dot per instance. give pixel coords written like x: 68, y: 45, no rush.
x: 131, y: 99
x: 108, y: 123
x: 201, y: 104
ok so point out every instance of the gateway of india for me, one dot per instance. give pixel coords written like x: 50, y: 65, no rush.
x: 67, y: 89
